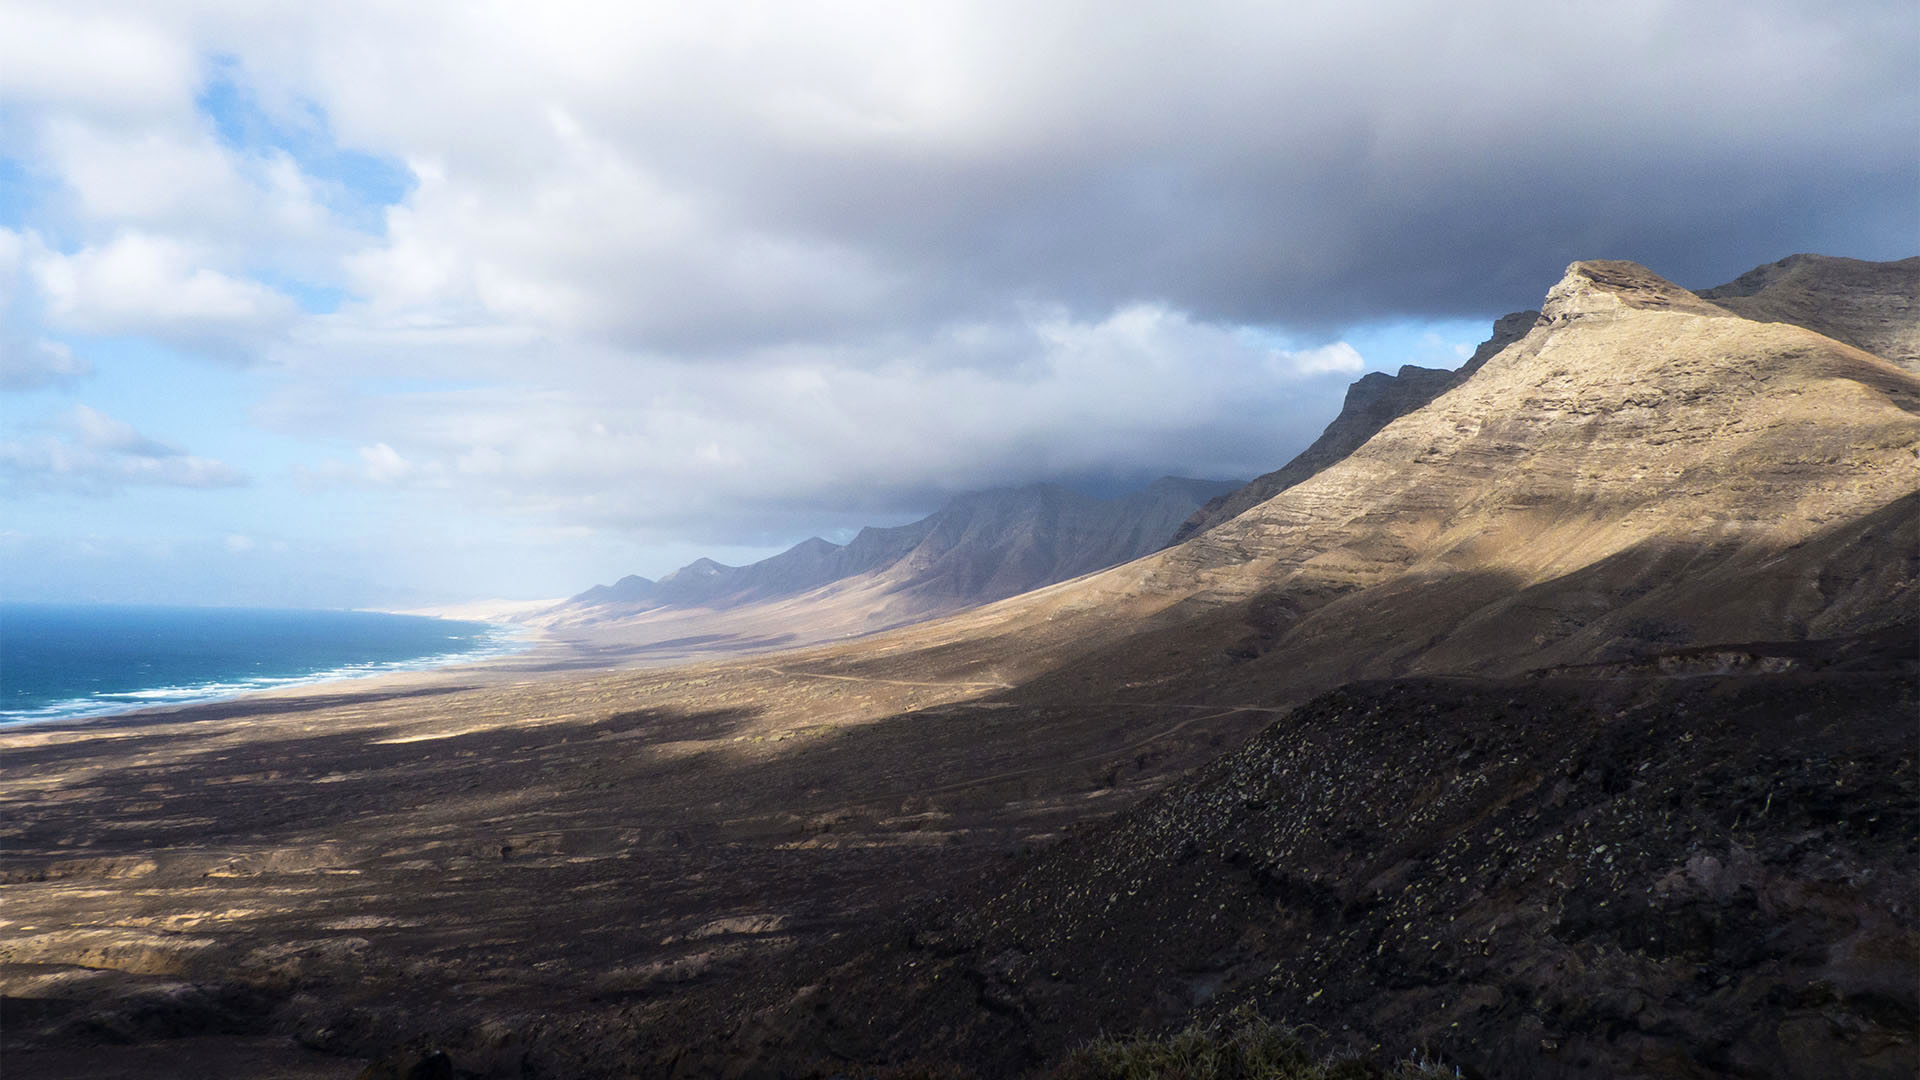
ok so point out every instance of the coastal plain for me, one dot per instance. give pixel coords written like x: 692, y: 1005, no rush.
x: 506, y: 841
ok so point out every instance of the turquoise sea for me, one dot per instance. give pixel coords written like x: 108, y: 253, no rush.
x: 62, y: 661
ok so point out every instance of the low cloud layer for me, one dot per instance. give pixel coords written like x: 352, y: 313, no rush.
x: 722, y: 451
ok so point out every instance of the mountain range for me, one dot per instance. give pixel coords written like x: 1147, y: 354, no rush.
x: 979, y: 547
x: 982, y: 546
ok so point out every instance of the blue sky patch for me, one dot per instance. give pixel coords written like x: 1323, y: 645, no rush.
x: 355, y: 185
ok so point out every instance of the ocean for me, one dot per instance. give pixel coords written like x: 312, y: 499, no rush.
x: 60, y: 661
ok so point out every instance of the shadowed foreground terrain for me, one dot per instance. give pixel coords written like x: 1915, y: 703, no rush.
x: 492, y: 864
x: 1702, y: 865
x: 1698, y: 863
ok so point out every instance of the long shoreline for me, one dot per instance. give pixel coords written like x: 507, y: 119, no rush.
x: 527, y: 642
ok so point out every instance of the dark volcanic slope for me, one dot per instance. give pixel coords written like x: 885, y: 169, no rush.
x: 1871, y: 306
x: 1374, y: 401
x: 1701, y: 864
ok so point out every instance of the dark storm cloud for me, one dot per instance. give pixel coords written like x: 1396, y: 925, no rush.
x: 1332, y: 166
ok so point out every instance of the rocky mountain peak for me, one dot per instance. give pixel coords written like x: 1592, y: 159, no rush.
x: 1603, y: 288
x: 1376, y: 385
x: 698, y: 568
x: 1758, y: 279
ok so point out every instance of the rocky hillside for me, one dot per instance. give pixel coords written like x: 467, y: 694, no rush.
x: 1372, y: 403
x: 1873, y: 306
x: 1637, y: 446
x: 1595, y: 873
x: 1643, y: 470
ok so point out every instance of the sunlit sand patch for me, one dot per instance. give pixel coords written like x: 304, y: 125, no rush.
x: 365, y: 922
x: 138, y: 952
x: 188, y: 920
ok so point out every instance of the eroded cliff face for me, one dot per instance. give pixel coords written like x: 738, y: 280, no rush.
x: 1507, y: 329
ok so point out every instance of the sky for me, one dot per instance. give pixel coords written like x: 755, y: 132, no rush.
x: 375, y: 304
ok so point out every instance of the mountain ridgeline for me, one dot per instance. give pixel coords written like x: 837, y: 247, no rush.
x: 991, y: 545
x: 1871, y: 306
x: 1376, y: 400
x: 981, y: 546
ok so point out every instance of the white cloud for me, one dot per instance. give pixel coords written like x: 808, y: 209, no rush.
x: 29, y: 364
x: 28, y: 360
x: 1337, y: 357
x: 140, y: 283
x: 13, y: 263
x: 179, y: 180
x: 91, y: 59
x: 378, y: 465
x: 885, y: 428
x: 91, y: 453
x: 95, y: 430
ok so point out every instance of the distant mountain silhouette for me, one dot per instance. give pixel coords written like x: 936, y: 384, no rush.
x: 980, y: 547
